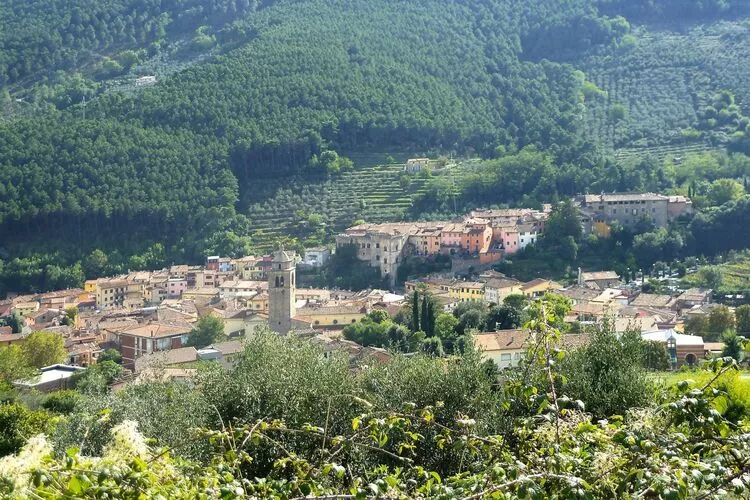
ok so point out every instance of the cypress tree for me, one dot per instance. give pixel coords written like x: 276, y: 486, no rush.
x: 425, y: 316
x: 430, y: 330
x: 415, y: 311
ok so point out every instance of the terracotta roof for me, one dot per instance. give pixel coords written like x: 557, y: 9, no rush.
x: 227, y: 348
x: 158, y: 330
x: 499, y: 283
x: 599, y: 275
x: 694, y: 294
x: 652, y: 300
x: 503, y: 340
x: 539, y: 281
x: 580, y: 293
x: 597, y: 198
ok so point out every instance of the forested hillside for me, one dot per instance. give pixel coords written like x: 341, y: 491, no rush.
x: 268, y: 92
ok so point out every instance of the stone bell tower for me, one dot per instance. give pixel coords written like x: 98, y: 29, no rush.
x: 281, y: 291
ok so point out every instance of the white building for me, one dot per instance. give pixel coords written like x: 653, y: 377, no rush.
x: 316, y: 257
x: 527, y: 235
x: 415, y: 165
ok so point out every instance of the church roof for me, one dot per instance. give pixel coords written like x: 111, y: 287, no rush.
x: 283, y: 256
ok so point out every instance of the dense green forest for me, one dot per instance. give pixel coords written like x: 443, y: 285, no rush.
x: 267, y: 93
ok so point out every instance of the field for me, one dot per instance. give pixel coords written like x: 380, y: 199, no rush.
x: 735, y: 275
x: 664, y: 80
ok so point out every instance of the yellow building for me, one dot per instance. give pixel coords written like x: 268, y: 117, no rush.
x: 602, y: 228
x: 119, y: 293
x: 465, y: 291
x: 89, y: 286
x: 243, y: 323
x: 331, y: 316
x: 24, y: 309
x: 538, y: 287
x: 259, y: 303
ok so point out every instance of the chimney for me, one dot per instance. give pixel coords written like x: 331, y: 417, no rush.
x: 580, y: 277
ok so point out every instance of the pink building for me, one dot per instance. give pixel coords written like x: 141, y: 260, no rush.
x: 477, y: 236
x: 508, y: 239
x: 175, y: 287
x: 452, y: 235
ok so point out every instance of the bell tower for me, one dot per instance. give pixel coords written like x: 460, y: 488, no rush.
x: 281, y: 291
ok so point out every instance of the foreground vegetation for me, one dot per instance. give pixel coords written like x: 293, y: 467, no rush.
x: 418, y: 427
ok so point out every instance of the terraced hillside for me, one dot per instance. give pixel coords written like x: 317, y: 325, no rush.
x: 664, y: 78
x: 373, y: 193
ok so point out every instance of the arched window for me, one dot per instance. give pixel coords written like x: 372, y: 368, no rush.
x: 282, y: 281
x: 277, y: 282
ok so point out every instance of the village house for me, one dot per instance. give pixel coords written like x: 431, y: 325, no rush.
x: 538, y: 287
x: 599, y: 280
x: 249, y: 268
x: 652, y: 300
x: 496, y: 289
x: 149, y: 338
x: 527, y: 235
x: 599, y: 211
x: 52, y: 378
x: 416, y: 165
x: 507, y: 348
x: 334, y: 316
x: 315, y: 257
x: 694, y: 297
x: 176, y: 287
x: 467, y: 291
x: 239, y: 288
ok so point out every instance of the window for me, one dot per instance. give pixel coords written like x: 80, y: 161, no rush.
x: 335, y: 322
x: 163, y: 344
x: 518, y: 355
x: 505, y: 357
x: 385, y: 261
x: 614, y: 210
x: 377, y: 257
x: 368, y: 245
x: 377, y: 245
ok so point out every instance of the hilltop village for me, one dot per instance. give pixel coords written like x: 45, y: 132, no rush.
x: 148, y: 316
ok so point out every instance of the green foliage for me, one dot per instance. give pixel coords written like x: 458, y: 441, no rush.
x: 63, y: 402
x: 720, y: 320
x: 607, y: 374
x: 734, y: 345
x: 208, y: 330
x: 18, y: 424
x: 655, y: 356
x: 742, y: 320
x: 13, y: 364
x: 347, y: 272
x: 42, y: 349
x: 110, y: 355
x: 503, y: 317
x: 96, y: 378
x: 725, y: 190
